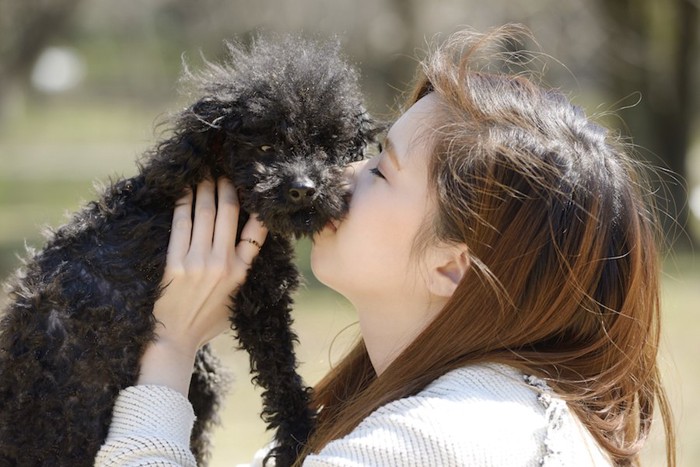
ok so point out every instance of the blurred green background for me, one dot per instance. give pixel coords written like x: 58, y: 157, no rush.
x: 84, y: 84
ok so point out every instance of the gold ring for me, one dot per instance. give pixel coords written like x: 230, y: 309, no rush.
x: 254, y: 242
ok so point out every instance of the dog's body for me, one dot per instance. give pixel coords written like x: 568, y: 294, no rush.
x: 280, y: 121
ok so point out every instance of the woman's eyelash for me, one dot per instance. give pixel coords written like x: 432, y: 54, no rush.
x: 375, y: 171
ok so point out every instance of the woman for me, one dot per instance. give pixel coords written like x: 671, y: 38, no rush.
x: 501, y: 254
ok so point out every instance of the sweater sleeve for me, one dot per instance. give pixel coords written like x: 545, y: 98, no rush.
x: 151, y: 426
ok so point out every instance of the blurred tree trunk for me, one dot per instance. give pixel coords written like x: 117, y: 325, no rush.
x: 26, y: 27
x: 653, y: 47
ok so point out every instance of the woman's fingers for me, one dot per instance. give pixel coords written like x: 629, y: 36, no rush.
x: 204, y: 215
x: 253, y: 236
x: 226, y: 218
x: 205, y: 265
x: 181, y: 230
x: 209, y: 240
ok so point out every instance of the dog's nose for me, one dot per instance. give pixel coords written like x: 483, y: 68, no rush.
x: 301, y: 190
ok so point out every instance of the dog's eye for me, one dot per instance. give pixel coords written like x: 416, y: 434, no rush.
x: 265, y: 148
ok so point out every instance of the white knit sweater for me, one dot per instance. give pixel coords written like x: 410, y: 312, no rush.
x: 481, y: 415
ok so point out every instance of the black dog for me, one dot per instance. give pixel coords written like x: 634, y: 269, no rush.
x: 280, y: 120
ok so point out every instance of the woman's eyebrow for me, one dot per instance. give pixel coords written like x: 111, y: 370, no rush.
x: 390, y: 153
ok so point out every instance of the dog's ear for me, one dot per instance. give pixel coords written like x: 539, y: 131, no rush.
x: 217, y: 120
x: 195, y: 148
x: 214, y: 114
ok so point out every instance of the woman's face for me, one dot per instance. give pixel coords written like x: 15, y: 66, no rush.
x: 367, y: 256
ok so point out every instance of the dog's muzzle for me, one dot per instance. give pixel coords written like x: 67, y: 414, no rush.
x: 301, y: 191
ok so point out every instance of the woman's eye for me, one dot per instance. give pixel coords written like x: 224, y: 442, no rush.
x: 265, y: 148
x: 375, y: 171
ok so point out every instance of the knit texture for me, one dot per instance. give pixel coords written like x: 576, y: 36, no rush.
x: 481, y: 415
x: 151, y: 426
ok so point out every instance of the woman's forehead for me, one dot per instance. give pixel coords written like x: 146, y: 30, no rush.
x: 408, y: 136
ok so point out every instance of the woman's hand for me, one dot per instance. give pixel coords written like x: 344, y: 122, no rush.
x: 204, y: 266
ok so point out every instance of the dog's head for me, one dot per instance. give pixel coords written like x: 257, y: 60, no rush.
x: 283, y: 119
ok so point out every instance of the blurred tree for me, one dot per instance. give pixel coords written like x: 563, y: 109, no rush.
x: 653, y: 47
x: 25, y: 29
x: 621, y: 47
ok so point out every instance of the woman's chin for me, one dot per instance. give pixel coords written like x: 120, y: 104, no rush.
x: 317, y: 270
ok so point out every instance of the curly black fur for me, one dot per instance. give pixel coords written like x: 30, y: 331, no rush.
x: 280, y: 119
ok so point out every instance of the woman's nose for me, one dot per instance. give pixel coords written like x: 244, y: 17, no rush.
x: 352, y: 171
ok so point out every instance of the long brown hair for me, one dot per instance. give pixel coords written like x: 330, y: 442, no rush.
x: 563, y: 243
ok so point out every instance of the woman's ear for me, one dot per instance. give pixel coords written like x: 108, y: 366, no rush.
x: 449, y: 265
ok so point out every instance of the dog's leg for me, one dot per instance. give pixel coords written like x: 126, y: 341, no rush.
x: 262, y: 321
x: 207, y: 387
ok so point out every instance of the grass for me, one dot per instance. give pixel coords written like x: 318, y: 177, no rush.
x: 49, y: 158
